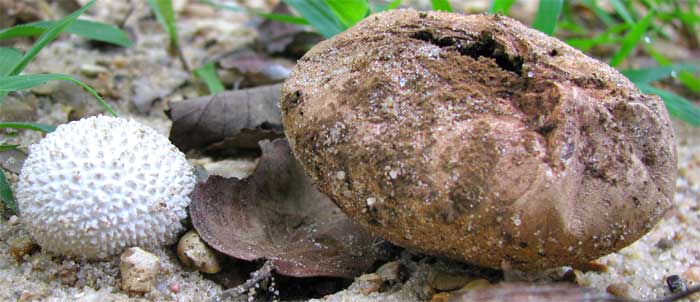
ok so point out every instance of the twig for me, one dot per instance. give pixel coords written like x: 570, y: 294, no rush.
x: 122, y: 23
x: 264, y: 272
x: 671, y: 298
x: 681, y: 295
x: 183, y: 61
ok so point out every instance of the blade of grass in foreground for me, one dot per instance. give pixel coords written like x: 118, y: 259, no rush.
x: 8, y: 58
x: 207, y: 73
x: 349, y: 12
x: 271, y: 16
x: 599, y: 12
x: 6, y: 193
x: 547, y: 15
x: 651, y: 74
x: 622, y: 11
x: 632, y: 39
x: 393, y: 5
x: 28, y: 126
x: 677, y: 105
x: 14, y: 83
x: 48, y: 36
x: 319, y: 15
x: 166, y: 17
x: 8, y: 147
x: 88, y: 29
x: 501, y: 6
x: 441, y: 5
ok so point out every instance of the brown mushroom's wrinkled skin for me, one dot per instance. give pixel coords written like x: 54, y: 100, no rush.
x: 477, y: 138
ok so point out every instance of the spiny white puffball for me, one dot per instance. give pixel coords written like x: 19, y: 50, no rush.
x: 100, y: 184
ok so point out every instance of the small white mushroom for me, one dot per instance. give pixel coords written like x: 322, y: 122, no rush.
x: 98, y: 185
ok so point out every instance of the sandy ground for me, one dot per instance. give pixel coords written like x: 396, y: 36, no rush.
x: 144, y: 79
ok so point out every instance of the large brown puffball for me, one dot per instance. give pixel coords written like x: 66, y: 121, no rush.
x: 477, y: 138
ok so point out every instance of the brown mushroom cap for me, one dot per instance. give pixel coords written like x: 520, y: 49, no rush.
x: 477, y: 138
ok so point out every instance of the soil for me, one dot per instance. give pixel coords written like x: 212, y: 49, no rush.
x: 140, y: 82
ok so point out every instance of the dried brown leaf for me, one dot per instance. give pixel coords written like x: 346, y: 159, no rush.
x: 278, y: 214
x: 285, y: 39
x: 247, y: 68
x: 525, y: 292
x: 275, y: 36
x: 228, y: 122
x: 12, y: 160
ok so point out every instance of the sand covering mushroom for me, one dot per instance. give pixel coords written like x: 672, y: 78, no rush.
x: 477, y: 138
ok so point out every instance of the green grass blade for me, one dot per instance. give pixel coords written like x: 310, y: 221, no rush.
x: 689, y: 80
x: 49, y: 35
x: 629, y: 43
x: 166, y: 17
x: 14, y: 83
x: 547, y: 15
x: 283, y: 18
x: 441, y: 5
x: 207, y: 73
x: 651, y: 74
x: 677, y: 106
x: 23, y: 30
x: 6, y: 193
x: 600, y: 13
x: 28, y: 126
x: 271, y: 16
x: 611, y: 35
x: 349, y: 12
x: 319, y: 15
x: 8, y: 147
x: 622, y: 11
x: 8, y: 58
x: 393, y: 5
x: 88, y: 29
x: 501, y: 6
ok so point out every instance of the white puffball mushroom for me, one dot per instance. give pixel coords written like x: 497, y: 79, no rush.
x: 98, y: 185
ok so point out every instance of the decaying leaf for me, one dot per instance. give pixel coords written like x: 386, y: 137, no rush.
x: 278, y: 214
x: 247, y: 68
x: 285, y: 39
x: 12, y: 160
x: 525, y: 292
x: 227, y: 123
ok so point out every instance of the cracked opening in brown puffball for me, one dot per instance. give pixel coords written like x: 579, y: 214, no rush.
x: 477, y: 138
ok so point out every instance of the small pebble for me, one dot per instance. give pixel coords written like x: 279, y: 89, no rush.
x: 425, y: 292
x: 174, y: 287
x: 14, y: 220
x: 444, y: 281
x: 692, y: 274
x: 91, y: 70
x: 68, y: 273
x: 440, y: 297
x: 676, y: 284
x: 139, y: 270
x: 21, y: 246
x: 664, y: 243
x: 389, y: 272
x: 476, y: 284
x: 27, y: 296
x: 193, y: 252
x: 368, y: 283
x: 621, y: 290
x: 593, y: 266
